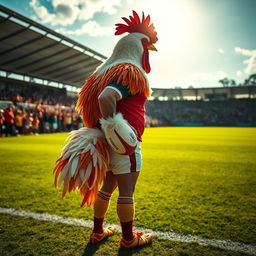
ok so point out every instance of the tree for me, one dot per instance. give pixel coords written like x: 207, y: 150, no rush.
x: 246, y: 82
x: 225, y: 82
x: 232, y: 82
x: 252, y: 79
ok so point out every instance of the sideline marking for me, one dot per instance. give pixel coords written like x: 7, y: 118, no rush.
x: 164, y: 235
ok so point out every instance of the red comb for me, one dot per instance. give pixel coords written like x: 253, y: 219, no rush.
x: 135, y: 25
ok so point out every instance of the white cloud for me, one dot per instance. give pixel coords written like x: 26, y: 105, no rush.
x: 90, y: 7
x: 34, y: 17
x: 221, y: 51
x: 91, y: 28
x: 244, y: 51
x: 67, y: 12
x: 250, y: 63
x: 220, y: 75
x: 239, y: 73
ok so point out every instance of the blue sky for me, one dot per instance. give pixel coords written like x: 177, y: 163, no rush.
x: 200, y: 41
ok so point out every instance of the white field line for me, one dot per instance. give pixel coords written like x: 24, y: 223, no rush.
x: 165, y: 235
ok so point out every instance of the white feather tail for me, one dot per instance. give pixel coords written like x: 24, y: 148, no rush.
x: 83, y: 163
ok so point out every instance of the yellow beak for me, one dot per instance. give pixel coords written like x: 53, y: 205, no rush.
x: 152, y: 48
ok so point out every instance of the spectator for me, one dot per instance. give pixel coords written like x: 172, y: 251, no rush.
x: 68, y: 121
x: 60, y: 120
x: 35, y: 124
x: 16, y: 99
x: 19, y: 121
x: 53, y: 121
x: 8, y: 120
x: 77, y: 121
x: 41, y: 121
x: 1, y: 122
x: 46, y: 121
x: 28, y: 123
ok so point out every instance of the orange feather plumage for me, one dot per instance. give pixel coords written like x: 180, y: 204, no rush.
x: 126, y: 74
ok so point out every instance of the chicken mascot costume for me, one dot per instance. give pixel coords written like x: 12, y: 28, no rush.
x: 115, y: 93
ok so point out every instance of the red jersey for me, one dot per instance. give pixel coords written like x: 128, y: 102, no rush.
x: 9, y: 116
x: 133, y: 110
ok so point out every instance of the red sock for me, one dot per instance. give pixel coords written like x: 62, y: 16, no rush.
x: 98, y: 225
x: 127, y: 230
x: 100, y: 208
x: 125, y: 212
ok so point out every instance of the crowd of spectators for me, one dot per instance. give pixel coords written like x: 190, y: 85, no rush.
x: 35, y: 113
x: 15, y: 120
x: 35, y: 109
x: 36, y: 95
x: 224, y: 112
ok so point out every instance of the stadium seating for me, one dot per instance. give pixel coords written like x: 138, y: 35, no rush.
x: 230, y: 112
x: 43, y: 111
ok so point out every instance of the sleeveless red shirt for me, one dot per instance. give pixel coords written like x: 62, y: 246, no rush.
x: 133, y: 110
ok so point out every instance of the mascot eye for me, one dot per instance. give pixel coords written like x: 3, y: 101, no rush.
x: 144, y: 41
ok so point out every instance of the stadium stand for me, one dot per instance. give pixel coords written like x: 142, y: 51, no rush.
x: 31, y: 49
x: 41, y: 72
x: 231, y: 112
x: 228, y: 106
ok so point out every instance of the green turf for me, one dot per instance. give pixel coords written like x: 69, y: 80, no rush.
x: 198, y: 181
x: 51, y: 239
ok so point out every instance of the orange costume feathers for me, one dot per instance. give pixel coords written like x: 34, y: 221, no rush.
x: 126, y: 74
x: 85, y: 158
x: 83, y: 163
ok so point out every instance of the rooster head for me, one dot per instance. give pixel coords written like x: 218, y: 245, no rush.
x: 147, y: 39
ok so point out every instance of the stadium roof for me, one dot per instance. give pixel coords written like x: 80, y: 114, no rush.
x: 31, y: 49
x: 205, y: 93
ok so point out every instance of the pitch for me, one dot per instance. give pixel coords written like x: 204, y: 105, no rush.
x: 196, y: 181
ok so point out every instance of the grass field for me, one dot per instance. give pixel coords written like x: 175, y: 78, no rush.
x: 197, y: 181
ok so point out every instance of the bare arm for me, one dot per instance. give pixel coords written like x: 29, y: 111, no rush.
x: 107, y: 102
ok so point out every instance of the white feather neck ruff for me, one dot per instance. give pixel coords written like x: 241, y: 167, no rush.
x: 127, y: 50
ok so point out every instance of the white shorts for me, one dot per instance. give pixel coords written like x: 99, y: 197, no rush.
x: 121, y: 164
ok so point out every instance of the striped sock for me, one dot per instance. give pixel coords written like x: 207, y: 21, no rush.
x: 125, y: 212
x: 100, y: 208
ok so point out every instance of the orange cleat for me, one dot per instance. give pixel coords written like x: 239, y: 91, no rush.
x: 139, y: 239
x: 96, y: 237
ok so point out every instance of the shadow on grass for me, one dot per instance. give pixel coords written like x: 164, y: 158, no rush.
x: 91, y: 249
x: 128, y: 252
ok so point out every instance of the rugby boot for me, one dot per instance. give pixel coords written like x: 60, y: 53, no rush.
x: 138, y: 240
x: 96, y: 237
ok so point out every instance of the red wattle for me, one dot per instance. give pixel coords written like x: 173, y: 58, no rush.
x: 145, y: 59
